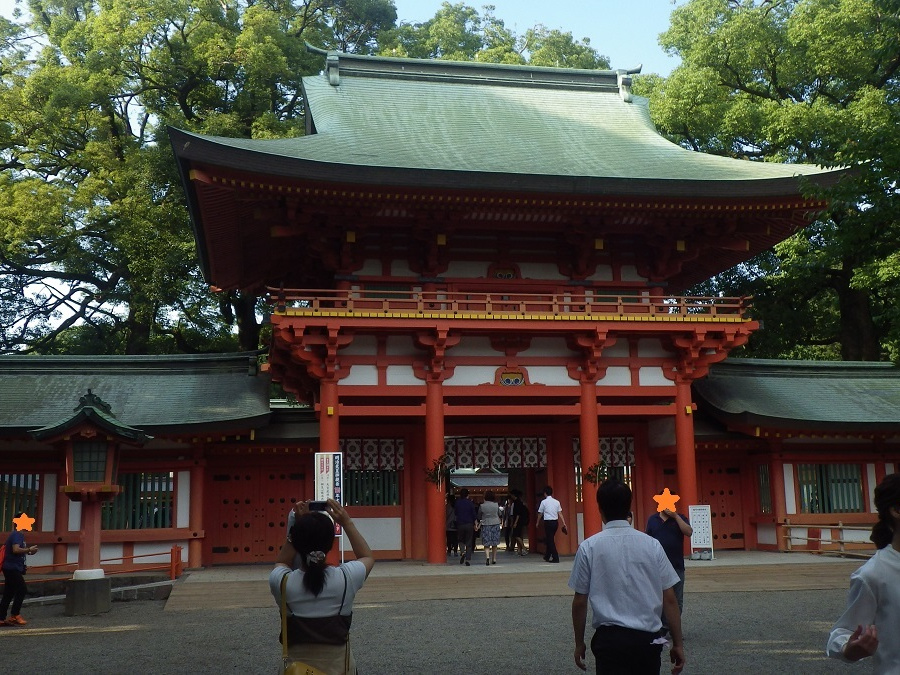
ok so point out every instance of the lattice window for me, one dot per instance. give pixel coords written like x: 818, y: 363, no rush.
x: 616, y: 451
x: 765, y: 488
x: 495, y: 452
x: 372, y: 488
x: 19, y: 493
x: 144, y: 503
x: 372, y: 454
x: 830, y: 488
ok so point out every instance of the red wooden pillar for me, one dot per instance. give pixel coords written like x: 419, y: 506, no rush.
x: 329, y: 427
x: 434, y: 448
x: 61, y: 528
x: 685, y: 454
x: 779, y: 502
x: 589, y: 430
x: 195, y: 516
x: 89, y: 548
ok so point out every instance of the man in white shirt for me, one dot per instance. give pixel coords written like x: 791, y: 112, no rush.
x: 628, y: 581
x: 550, y: 511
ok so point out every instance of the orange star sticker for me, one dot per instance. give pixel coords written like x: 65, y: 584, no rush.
x: 23, y: 522
x: 665, y: 501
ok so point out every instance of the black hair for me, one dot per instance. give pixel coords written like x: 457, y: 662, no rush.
x: 464, y: 493
x: 614, y: 500
x: 887, y: 495
x: 313, y: 531
x: 548, y: 490
x: 517, y: 493
x: 489, y: 496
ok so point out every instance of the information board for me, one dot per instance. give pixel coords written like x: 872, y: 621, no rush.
x: 329, y: 479
x: 701, y: 521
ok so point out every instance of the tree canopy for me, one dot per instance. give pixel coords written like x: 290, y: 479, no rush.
x: 96, y: 253
x: 808, y: 81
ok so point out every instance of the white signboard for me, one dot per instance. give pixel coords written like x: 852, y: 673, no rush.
x: 329, y: 481
x: 701, y: 520
x: 329, y: 477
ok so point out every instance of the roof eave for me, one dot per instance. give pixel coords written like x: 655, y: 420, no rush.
x: 190, y: 148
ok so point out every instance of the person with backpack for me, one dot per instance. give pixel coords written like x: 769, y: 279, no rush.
x: 14, y: 551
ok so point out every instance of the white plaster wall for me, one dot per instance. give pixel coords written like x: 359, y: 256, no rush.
x: 48, y: 508
x: 183, y: 499
x: 616, y: 376
x: 370, y: 268
x: 856, y: 535
x: 661, y: 432
x: 579, y: 524
x: 473, y: 346
x: 630, y: 273
x: 163, y: 548
x: 74, y: 516
x: 382, y: 534
x: 107, y: 551
x: 400, y: 345
x: 401, y: 375
x: 653, y: 377
x: 400, y: 268
x: 540, y: 271
x: 546, y: 346
x: 467, y: 269
x: 554, y: 376
x: 870, y: 473
x: 766, y: 534
x: 790, y: 494
x: 888, y: 468
x: 470, y: 376
x: 362, y: 345
x: 360, y: 375
x: 799, y: 536
x: 652, y: 347
x: 44, y: 556
x: 603, y: 273
x: 617, y: 350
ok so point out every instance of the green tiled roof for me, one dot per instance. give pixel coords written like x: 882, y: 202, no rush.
x: 155, y: 394
x: 823, y: 395
x: 92, y: 409
x: 520, y: 123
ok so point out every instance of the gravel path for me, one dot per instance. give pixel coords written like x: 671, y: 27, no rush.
x: 737, y: 632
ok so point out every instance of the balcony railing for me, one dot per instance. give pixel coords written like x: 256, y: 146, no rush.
x: 570, y: 305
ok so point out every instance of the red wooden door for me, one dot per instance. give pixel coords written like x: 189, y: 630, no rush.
x: 247, y: 511
x: 720, y: 487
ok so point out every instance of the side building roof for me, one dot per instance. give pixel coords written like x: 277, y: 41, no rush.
x: 802, y: 395
x: 156, y: 394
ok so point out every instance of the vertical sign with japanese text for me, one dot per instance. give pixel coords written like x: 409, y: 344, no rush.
x: 329, y: 479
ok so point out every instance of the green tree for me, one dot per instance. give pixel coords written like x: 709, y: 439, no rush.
x: 95, y: 245
x: 806, y: 81
x: 457, y: 32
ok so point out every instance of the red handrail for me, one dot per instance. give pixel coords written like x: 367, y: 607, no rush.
x: 174, y: 566
x: 575, y: 303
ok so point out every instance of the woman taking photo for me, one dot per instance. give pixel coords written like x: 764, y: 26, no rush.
x: 318, y: 596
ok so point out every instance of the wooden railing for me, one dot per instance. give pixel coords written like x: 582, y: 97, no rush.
x: 571, y: 305
x: 861, y: 549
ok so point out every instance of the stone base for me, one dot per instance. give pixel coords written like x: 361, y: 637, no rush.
x: 88, y: 596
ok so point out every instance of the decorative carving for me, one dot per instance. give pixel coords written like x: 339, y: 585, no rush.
x: 591, y: 345
x: 437, y: 343
x: 699, y: 349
